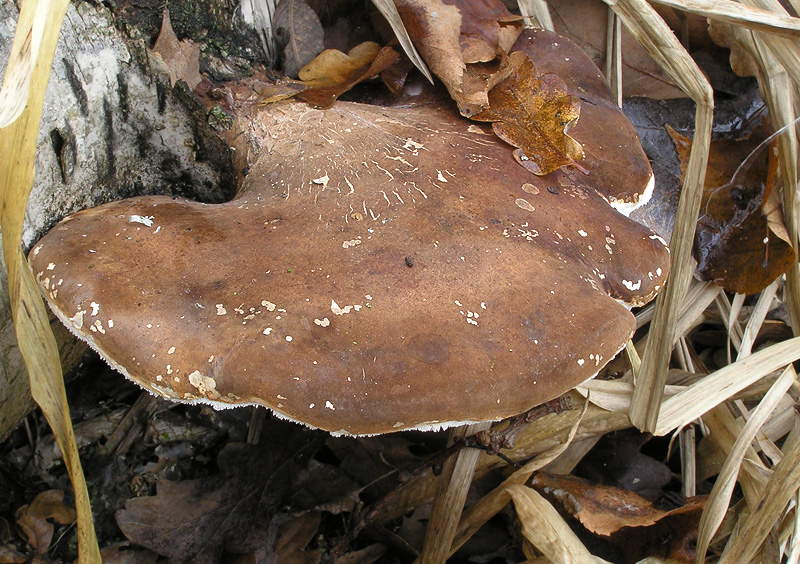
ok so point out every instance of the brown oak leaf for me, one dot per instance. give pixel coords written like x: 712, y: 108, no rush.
x: 533, y: 111
x: 194, y: 520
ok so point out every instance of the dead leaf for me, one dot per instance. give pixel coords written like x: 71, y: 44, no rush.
x: 487, y: 30
x: 631, y: 521
x: 32, y: 519
x: 299, y: 36
x: 10, y: 556
x: 533, y: 111
x: 585, y: 23
x: 181, y: 59
x: 617, y: 460
x: 121, y: 554
x: 741, y: 60
x: 741, y: 241
x: 38, y: 532
x: 194, y: 520
x: 604, y: 510
x: 294, y: 536
x: 452, y: 37
x: 366, y: 555
x: 332, y: 73
x: 50, y: 505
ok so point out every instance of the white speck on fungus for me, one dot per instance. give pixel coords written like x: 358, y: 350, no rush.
x: 324, y: 322
x: 148, y: 221
x: 631, y: 285
x: 524, y: 204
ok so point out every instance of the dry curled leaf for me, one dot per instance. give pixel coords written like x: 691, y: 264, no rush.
x: 632, y: 522
x: 332, y: 73
x: 180, y: 58
x: 458, y: 40
x: 487, y: 29
x: 741, y: 242
x: 33, y: 519
x: 299, y: 36
x: 533, y: 111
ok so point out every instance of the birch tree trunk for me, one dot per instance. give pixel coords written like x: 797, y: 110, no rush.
x: 110, y: 129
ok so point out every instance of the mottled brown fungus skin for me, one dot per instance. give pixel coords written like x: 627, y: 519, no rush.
x: 299, y: 295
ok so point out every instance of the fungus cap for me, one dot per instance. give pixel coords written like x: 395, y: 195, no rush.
x: 381, y: 269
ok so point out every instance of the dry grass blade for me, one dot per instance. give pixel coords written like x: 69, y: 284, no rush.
x: 454, y: 484
x: 780, y: 489
x: 739, y: 14
x: 31, y: 33
x: 389, y: 11
x: 36, y: 341
x: 757, y: 318
x: 536, y: 12
x: 491, y: 504
x: 546, y: 529
x: 615, y: 395
x: 693, y: 306
x: 654, y: 34
x: 718, y: 386
x: 717, y: 505
x: 614, y: 57
x: 723, y: 426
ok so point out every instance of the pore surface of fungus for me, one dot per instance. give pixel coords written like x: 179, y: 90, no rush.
x: 381, y: 269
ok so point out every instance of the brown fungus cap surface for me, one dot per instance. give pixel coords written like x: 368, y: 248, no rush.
x: 381, y: 269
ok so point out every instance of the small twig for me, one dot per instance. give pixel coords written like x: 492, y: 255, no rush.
x: 131, y: 426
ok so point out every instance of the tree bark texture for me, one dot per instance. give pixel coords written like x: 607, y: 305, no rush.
x: 110, y: 129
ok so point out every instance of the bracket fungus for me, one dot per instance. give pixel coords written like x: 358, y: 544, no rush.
x: 380, y: 269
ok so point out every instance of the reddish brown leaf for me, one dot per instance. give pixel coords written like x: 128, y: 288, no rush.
x: 32, y: 519
x: 38, y: 532
x: 631, y: 521
x: 181, y: 59
x: 741, y: 241
x: 533, y: 111
x: 332, y: 73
